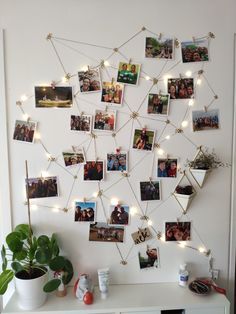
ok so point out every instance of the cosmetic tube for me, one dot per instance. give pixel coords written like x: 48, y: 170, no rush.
x: 103, y: 280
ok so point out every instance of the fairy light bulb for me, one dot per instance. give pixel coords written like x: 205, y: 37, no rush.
x: 95, y: 194
x: 167, y: 137
x: 147, y: 77
x: 114, y: 201
x: 55, y: 209
x: 34, y: 207
x: 182, y: 245
x: 24, y: 98
x: 150, y: 223
x: 85, y: 68
x: 44, y: 174
x: 106, y: 63
x: 48, y: 155
x: 25, y: 116
x: 184, y: 124
x: 199, y: 81
x: 160, y: 151
x: 188, y: 73
x: 37, y: 136
x: 64, y: 79
x: 133, y: 211
x: 162, y: 238
x: 191, y: 102
x: 201, y: 250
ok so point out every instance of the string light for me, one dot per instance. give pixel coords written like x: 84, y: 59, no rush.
x: 188, y: 73
x: 44, y: 174
x: 55, y: 209
x: 162, y: 238
x: 106, y: 63
x: 25, y: 116
x: 201, y: 250
x: 199, y: 81
x: 191, y: 102
x: 184, y: 124
x: 48, y: 155
x: 167, y: 137
x: 85, y: 68
x: 24, y: 98
x: 147, y: 77
x: 37, y: 136
x: 64, y: 79
x: 34, y: 207
x: 95, y: 194
x: 160, y: 151
x: 133, y: 211
x: 150, y: 223
x: 182, y: 245
x: 114, y: 201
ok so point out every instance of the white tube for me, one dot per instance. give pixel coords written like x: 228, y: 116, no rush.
x: 103, y: 280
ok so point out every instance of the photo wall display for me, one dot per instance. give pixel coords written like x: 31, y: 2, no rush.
x: 110, y: 92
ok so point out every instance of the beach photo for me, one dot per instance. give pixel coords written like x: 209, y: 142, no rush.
x: 53, y: 97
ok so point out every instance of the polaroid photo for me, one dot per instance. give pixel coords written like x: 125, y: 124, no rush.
x: 148, y: 257
x: 167, y: 167
x: 128, y: 73
x: 53, y: 97
x: 81, y: 123
x: 159, y: 48
x: 195, y: 51
x: 42, y: 187
x: 102, y: 232
x: 143, y: 139
x: 205, y: 120
x: 141, y: 236
x: 73, y: 157
x: 158, y: 104
x: 104, y: 120
x: 119, y: 215
x: 181, y: 88
x: 90, y: 81
x: 117, y: 162
x: 178, y: 231
x: 24, y: 131
x: 112, y: 93
x: 85, y: 211
x: 94, y: 170
x: 150, y: 191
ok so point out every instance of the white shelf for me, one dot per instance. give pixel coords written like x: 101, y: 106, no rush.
x: 141, y: 298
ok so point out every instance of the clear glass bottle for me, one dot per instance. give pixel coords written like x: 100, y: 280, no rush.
x: 183, y: 275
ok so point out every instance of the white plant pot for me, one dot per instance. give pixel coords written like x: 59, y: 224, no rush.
x: 199, y: 175
x: 184, y: 200
x: 30, y: 292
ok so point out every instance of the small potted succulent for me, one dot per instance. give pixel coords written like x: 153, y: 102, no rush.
x: 184, y: 194
x: 202, y: 165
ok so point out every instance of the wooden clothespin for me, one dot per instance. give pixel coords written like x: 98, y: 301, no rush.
x: 84, y: 200
x: 180, y: 76
x: 130, y: 60
x: 205, y: 108
x: 194, y: 39
x: 160, y: 36
x: 112, y: 81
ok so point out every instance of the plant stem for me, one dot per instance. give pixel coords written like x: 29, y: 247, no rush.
x: 28, y: 202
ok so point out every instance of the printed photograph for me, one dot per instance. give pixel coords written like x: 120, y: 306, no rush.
x: 53, y: 97
x: 203, y: 121
x: 81, y: 123
x: 73, y: 158
x: 141, y: 235
x: 148, y: 257
x: 128, y: 73
x: 159, y: 48
x: 42, y: 187
x: 117, y: 162
x: 24, y: 131
x: 102, y: 232
x: 195, y: 51
x: 178, y: 231
x: 94, y: 170
x: 119, y: 215
x: 143, y: 139
x: 158, y: 104
x: 105, y: 120
x: 85, y: 211
x: 150, y: 191
x: 89, y: 81
x: 112, y: 93
x: 167, y: 167
x: 181, y: 88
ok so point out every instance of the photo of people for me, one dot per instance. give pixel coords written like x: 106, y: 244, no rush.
x: 112, y: 92
x: 89, y: 81
x: 102, y: 232
x: 178, y: 231
x: 148, y: 257
x: 167, y: 167
x: 128, y: 73
x: 119, y: 215
x: 73, y: 158
x: 42, y: 187
x: 195, y: 51
x: 150, y: 191
x: 24, y: 131
x: 53, y: 97
x: 203, y: 121
x: 160, y: 48
x: 158, y: 104
x: 94, y: 170
x: 143, y: 139
x: 181, y: 88
x: 85, y: 211
x: 141, y: 235
x: 117, y: 162
x: 104, y: 120
x: 81, y: 123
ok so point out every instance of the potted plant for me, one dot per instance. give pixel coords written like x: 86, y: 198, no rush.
x: 202, y: 165
x: 184, y: 194
x: 31, y: 257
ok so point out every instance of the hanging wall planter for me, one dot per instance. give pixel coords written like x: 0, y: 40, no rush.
x: 200, y: 175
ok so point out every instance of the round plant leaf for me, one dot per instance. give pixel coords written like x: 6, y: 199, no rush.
x: 69, y: 272
x: 14, y: 241
x: 43, y: 241
x: 5, y: 277
x: 57, y: 263
x: 52, y: 285
x: 23, y: 230
x: 20, y: 255
x: 43, y: 255
x: 55, y: 249
x: 16, y: 266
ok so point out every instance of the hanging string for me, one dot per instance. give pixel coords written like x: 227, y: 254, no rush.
x: 58, y: 57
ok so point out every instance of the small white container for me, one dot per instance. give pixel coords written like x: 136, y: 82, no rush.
x: 183, y: 275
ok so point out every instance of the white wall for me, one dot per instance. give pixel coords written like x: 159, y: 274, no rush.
x: 30, y: 61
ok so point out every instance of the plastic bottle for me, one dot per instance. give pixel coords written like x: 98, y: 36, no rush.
x: 183, y: 275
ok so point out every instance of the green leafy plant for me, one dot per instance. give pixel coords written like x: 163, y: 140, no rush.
x: 205, y: 161
x: 186, y: 190
x: 31, y: 257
